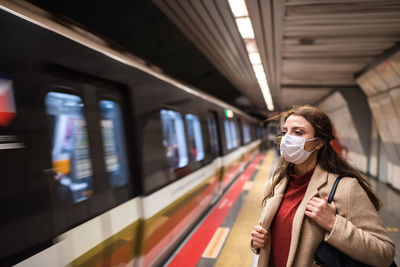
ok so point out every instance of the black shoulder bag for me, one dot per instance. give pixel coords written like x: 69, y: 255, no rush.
x: 330, y: 256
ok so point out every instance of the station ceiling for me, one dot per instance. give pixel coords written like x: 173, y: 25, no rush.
x: 308, y: 47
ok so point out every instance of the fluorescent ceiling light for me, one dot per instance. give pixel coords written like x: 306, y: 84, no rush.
x: 245, y: 28
x: 267, y: 96
x: 258, y: 68
x: 261, y: 78
x: 239, y: 8
x: 268, y: 100
x: 255, y: 58
x: 251, y: 45
x: 243, y: 23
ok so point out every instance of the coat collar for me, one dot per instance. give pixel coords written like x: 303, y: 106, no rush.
x: 318, y: 179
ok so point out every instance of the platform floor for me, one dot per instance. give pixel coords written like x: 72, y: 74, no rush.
x: 227, y: 244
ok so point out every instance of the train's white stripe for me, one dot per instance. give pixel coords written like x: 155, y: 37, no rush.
x: 110, y: 222
x: 159, y: 200
x: 165, y: 196
x: 84, y: 237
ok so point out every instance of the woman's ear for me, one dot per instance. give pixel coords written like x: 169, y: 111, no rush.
x: 320, y: 144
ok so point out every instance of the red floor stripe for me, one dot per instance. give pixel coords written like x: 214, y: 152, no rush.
x: 191, y: 253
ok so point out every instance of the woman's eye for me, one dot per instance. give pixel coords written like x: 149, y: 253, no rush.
x: 298, y: 133
x: 283, y: 133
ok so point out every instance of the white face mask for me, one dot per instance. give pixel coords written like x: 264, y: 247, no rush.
x: 292, y: 148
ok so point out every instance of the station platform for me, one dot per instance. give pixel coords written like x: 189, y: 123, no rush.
x: 222, y: 238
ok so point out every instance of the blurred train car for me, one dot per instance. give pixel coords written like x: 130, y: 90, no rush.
x: 104, y: 162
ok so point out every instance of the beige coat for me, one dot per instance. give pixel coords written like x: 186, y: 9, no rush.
x: 358, y: 229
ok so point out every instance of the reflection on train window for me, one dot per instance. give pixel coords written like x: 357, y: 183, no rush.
x: 246, y: 133
x: 231, y: 134
x: 194, y: 137
x: 234, y: 134
x: 228, y: 137
x: 237, y: 132
x: 114, y: 143
x: 212, y: 131
x: 69, y: 147
x: 174, y: 139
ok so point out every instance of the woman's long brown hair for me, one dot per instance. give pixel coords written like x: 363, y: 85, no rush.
x: 327, y: 158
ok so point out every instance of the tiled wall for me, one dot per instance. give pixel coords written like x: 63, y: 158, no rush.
x: 381, y: 84
x: 338, y: 110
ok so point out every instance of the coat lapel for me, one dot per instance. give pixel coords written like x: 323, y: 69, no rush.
x: 272, y: 205
x: 269, y: 211
x: 318, y: 179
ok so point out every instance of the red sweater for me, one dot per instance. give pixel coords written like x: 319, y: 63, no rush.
x: 281, y: 227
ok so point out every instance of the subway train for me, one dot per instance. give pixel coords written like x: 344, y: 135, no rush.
x: 104, y: 160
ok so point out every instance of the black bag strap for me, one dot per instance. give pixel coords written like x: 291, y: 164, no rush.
x: 333, y: 190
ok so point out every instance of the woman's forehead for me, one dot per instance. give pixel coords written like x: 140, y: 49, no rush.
x: 297, y: 121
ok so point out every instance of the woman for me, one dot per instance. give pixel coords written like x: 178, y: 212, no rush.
x: 296, y: 216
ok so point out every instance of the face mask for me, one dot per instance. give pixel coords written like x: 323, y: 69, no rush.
x: 292, y: 148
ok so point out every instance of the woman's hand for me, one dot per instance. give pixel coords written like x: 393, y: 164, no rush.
x: 259, y: 237
x: 321, y: 212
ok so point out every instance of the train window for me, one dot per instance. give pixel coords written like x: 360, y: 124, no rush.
x: 114, y: 143
x: 234, y: 134
x: 174, y: 139
x: 194, y: 137
x: 228, y: 136
x: 213, y: 133
x: 246, y: 133
x: 69, y: 147
x: 231, y: 134
x: 237, y: 127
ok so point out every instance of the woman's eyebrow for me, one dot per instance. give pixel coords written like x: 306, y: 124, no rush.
x: 294, y: 128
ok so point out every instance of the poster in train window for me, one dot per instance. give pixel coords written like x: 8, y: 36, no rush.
x: 212, y: 131
x: 174, y: 139
x: 69, y: 147
x: 112, y: 129
x: 195, y: 137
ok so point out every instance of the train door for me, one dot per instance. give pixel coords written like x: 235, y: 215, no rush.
x: 115, y: 125
x: 215, y: 150
x: 91, y: 174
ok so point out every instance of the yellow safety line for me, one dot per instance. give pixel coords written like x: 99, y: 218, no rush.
x: 236, y: 251
x: 216, y: 243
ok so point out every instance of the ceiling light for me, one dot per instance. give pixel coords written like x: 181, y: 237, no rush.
x: 245, y: 28
x: 255, y: 58
x: 261, y: 78
x: 258, y: 68
x: 239, y: 8
x: 267, y: 96
x: 243, y: 23
x: 251, y: 45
